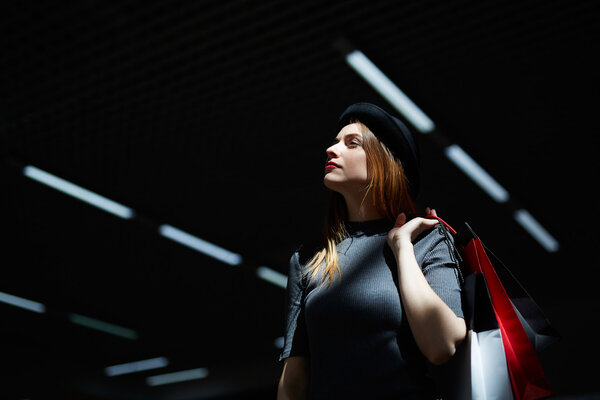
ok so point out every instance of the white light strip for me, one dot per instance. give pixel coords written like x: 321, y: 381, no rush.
x: 474, y: 171
x: 22, y: 303
x: 103, y: 326
x: 200, y: 245
x: 279, y: 342
x: 136, y: 366
x: 270, y: 275
x: 535, y: 229
x: 386, y: 88
x: 173, y: 377
x: 78, y: 192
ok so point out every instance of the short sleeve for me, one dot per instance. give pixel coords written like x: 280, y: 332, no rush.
x: 442, y: 271
x: 295, y: 338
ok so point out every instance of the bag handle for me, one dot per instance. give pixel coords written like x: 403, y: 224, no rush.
x: 442, y: 222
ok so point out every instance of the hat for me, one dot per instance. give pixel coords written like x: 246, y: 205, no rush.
x: 393, y: 133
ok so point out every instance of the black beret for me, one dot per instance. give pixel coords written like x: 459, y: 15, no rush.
x: 393, y: 133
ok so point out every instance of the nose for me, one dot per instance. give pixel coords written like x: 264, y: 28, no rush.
x: 332, y: 151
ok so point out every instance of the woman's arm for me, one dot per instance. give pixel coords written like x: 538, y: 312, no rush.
x: 293, y: 384
x: 436, y: 328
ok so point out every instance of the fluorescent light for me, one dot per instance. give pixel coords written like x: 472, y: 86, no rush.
x: 78, y: 192
x: 173, y: 377
x: 536, y: 230
x: 200, y: 245
x: 136, y: 366
x: 270, y: 275
x: 386, y: 88
x: 474, y: 171
x: 22, y: 303
x: 103, y: 326
x: 278, y: 342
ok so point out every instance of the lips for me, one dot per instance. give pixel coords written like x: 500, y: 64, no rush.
x: 331, y: 165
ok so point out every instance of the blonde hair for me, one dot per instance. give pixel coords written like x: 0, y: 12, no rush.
x: 387, y: 189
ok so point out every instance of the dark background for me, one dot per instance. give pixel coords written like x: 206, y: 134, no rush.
x: 213, y: 116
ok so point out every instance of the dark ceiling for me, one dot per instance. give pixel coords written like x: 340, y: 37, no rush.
x: 213, y: 117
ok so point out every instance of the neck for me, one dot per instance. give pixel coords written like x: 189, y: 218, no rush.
x: 359, y: 210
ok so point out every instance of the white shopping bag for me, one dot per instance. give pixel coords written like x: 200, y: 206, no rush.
x: 478, y: 370
x: 489, y: 372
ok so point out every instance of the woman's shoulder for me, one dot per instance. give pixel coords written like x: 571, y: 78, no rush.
x: 304, y: 253
x: 433, y: 239
x: 432, y: 235
x: 297, y: 268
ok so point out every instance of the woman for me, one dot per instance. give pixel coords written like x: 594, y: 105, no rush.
x: 379, y: 300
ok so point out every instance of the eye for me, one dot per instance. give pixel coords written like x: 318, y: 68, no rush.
x: 354, y: 142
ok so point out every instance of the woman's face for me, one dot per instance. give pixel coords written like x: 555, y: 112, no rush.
x: 346, y: 167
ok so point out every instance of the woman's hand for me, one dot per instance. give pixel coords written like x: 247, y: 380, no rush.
x: 404, y: 233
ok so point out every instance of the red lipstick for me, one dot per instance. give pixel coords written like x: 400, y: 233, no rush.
x: 331, y: 165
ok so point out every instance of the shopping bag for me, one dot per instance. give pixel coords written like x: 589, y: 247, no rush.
x: 489, y: 373
x: 527, y: 377
x: 538, y: 328
x: 478, y: 370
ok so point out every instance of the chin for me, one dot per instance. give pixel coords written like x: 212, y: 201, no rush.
x: 329, y: 183
x: 335, y: 186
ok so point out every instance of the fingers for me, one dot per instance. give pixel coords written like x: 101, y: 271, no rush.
x: 430, y: 211
x: 424, y: 224
x: 430, y: 221
x: 411, y: 229
x: 418, y: 225
x: 400, y: 220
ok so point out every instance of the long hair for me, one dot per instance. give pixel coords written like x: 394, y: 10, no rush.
x: 387, y: 190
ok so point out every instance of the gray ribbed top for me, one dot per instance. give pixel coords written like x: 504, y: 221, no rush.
x: 354, y: 331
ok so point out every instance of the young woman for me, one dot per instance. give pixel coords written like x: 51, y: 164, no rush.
x: 379, y: 301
